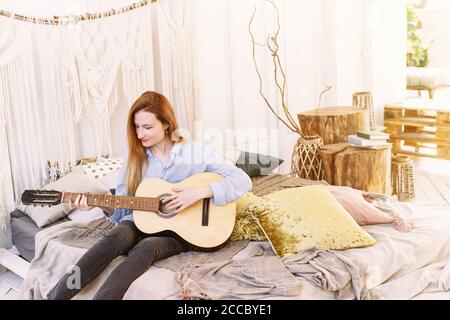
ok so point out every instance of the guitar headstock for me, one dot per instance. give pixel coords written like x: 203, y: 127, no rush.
x: 41, y: 197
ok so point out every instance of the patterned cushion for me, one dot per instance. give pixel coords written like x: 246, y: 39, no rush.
x: 102, y: 167
x: 430, y: 77
x: 301, y: 218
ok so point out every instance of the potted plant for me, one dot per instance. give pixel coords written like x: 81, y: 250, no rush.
x: 418, y: 54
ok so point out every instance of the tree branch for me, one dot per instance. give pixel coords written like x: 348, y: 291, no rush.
x: 254, y: 43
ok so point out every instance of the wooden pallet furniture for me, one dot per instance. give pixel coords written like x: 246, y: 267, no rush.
x: 421, y: 130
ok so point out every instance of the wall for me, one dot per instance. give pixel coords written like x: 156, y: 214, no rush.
x: 436, y: 25
x: 351, y: 45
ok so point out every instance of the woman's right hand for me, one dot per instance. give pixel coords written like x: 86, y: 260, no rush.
x: 80, y: 203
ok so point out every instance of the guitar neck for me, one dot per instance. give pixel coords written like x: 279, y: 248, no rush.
x: 110, y: 201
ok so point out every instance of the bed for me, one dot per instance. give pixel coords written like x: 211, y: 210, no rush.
x: 24, y: 230
x: 399, y: 266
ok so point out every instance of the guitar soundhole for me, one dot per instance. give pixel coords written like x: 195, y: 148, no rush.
x: 163, y: 210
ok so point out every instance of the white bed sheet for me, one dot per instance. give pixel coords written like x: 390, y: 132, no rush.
x: 400, y: 265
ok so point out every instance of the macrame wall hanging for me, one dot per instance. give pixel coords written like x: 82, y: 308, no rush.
x: 57, y: 71
x: 52, y: 75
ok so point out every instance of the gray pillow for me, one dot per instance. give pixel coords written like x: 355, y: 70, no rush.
x: 81, y: 183
x: 255, y: 164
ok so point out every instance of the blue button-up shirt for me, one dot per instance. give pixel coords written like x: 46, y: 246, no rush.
x: 187, y: 159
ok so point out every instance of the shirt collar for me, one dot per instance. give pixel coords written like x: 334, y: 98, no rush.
x: 173, y: 152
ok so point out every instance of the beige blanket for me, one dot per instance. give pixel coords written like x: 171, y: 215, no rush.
x: 54, y: 257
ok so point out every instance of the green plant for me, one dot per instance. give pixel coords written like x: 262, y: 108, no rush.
x: 418, y: 56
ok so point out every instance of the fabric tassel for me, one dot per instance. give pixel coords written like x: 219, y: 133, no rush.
x: 380, y: 201
x: 400, y: 223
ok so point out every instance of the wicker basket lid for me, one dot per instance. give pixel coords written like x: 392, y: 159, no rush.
x: 401, y: 159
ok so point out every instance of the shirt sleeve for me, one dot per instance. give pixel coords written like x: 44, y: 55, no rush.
x: 120, y: 213
x: 235, y: 183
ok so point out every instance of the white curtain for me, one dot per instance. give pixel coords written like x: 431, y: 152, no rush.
x: 5, y: 175
x: 177, y: 45
x: 21, y: 108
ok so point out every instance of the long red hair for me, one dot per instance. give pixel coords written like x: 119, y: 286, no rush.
x: 160, y: 106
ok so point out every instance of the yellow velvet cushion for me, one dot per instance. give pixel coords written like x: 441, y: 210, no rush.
x: 246, y: 226
x: 297, y: 219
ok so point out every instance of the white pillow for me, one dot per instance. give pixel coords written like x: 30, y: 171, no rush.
x: 86, y: 216
x: 79, y: 183
x: 111, y: 180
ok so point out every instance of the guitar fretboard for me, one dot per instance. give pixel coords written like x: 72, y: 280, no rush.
x: 110, y: 201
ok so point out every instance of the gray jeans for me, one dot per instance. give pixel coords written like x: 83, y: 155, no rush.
x: 124, y: 239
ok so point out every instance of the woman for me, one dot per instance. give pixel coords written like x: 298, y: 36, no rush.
x: 154, y: 150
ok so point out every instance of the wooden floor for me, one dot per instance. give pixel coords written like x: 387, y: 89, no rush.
x: 431, y: 181
x: 432, y: 185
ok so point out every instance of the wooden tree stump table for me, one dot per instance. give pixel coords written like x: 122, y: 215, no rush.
x: 334, y: 124
x: 360, y: 168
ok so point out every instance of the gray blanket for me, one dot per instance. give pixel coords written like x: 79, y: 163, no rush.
x: 58, y: 248
x: 259, y: 276
x: 332, y: 271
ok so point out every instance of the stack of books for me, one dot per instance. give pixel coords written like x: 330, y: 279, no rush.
x: 369, y: 139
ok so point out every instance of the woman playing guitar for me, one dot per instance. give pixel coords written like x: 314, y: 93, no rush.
x: 155, y: 150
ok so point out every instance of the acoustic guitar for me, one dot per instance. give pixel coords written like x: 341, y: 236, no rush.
x: 203, y: 224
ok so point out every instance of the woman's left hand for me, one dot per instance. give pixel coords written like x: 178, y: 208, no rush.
x: 185, y: 197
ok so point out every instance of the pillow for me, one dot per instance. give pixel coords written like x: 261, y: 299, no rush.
x: 86, y: 216
x: 301, y: 218
x: 364, y: 212
x: 255, y: 164
x: 104, y: 169
x: 43, y: 216
x: 246, y: 226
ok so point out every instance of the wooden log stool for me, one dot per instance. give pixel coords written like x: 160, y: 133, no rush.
x: 360, y: 168
x: 334, y: 124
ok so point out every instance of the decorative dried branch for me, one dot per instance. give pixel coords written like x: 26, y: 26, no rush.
x: 272, y: 45
x: 321, y: 94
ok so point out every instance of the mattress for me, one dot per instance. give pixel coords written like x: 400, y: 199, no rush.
x: 23, y: 231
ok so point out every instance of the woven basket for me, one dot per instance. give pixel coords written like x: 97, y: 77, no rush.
x: 364, y: 100
x: 306, y: 161
x: 402, y: 178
